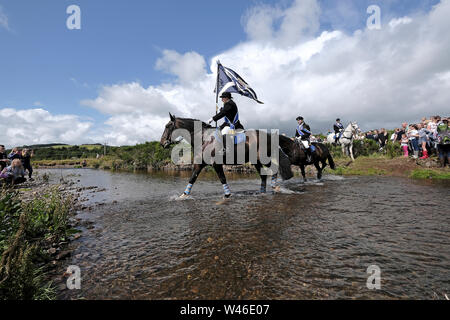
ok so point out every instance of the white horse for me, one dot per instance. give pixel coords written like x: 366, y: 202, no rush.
x: 347, y: 138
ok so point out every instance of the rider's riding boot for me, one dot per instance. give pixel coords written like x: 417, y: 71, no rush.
x: 308, y: 155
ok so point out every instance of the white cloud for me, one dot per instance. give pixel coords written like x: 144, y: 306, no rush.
x: 379, y: 78
x: 4, y: 19
x: 396, y: 22
x: 189, y: 67
x: 36, y: 126
x: 283, y: 26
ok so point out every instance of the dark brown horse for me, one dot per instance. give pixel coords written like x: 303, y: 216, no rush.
x: 297, y: 156
x: 253, y: 152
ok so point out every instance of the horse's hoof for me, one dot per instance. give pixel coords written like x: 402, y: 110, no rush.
x: 227, y: 196
x: 277, y: 189
x: 184, y: 196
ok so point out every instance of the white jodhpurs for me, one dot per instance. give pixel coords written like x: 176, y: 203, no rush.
x: 227, y: 130
x: 305, y: 144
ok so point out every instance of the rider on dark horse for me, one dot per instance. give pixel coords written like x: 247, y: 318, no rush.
x: 338, y: 130
x: 230, y: 113
x: 303, y: 135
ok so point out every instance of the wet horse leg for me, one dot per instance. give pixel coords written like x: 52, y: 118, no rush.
x: 276, y: 188
x: 319, y: 170
x: 302, y: 168
x: 263, y: 178
x: 197, y: 169
x: 219, y: 170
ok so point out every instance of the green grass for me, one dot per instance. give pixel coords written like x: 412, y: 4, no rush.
x: 84, y: 146
x: 430, y: 174
x: 27, y: 230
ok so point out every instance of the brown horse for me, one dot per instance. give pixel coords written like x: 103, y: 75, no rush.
x: 253, y: 152
x: 297, y: 156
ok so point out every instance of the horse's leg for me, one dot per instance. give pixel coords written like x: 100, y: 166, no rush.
x: 219, y: 170
x: 324, y: 164
x: 350, y: 149
x: 276, y: 188
x: 319, y: 170
x: 263, y: 178
x: 197, y: 169
x: 302, y: 168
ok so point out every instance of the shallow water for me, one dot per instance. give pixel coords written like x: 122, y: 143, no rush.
x: 312, y: 241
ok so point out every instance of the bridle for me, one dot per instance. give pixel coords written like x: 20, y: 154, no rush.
x: 168, y: 139
x: 353, y: 131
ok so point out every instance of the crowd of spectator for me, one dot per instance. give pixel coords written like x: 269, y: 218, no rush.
x: 419, y: 139
x: 13, y: 166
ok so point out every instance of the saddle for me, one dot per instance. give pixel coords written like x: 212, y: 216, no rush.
x: 238, y: 137
x: 302, y: 146
x: 338, y: 135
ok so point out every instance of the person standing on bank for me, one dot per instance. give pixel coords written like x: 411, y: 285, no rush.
x: 230, y: 113
x: 3, y: 158
x: 26, y: 162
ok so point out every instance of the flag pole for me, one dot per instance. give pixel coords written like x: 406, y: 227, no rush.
x: 217, y: 89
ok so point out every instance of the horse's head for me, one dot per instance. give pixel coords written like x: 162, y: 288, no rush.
x: 166, y: 139
x: 355, y: 128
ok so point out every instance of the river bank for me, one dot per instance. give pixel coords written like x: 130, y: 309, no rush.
x: 396, y: 167
x: 363, y: 166
x: 38, y: 224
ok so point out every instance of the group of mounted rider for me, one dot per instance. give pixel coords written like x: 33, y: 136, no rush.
x: 303, y: 133
x: 296, y: 151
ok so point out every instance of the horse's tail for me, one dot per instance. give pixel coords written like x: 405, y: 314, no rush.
x: 331, y: 161
x: 285, y: 166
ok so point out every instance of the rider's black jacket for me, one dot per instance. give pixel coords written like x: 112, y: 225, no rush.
x: 306, y: 134
x: 229, y: 110
x: 337, y: 129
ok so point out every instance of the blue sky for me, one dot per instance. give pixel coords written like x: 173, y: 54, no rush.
x: 120, y: 41
x: 43, y: 62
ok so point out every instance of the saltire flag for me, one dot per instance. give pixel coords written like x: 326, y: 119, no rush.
x: 229, y: 81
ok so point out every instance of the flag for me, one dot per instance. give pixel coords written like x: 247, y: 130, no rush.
x: 230, y: 81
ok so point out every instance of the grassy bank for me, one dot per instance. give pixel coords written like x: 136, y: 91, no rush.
x: 430, y: 174
x: 382, y: 165
x: 29, y: 232
x: 139, y: 157
x: 369, y: 161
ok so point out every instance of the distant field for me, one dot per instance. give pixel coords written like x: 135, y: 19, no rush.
x: 85, y: 146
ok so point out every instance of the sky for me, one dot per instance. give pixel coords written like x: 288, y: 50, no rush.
x: 132, y: 62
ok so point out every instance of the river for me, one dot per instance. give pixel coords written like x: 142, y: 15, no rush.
x: 312, y: 241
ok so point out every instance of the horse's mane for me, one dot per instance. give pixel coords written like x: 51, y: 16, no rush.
x: 194, y: 120
x: 286, y: 143
x: 189, y: 123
